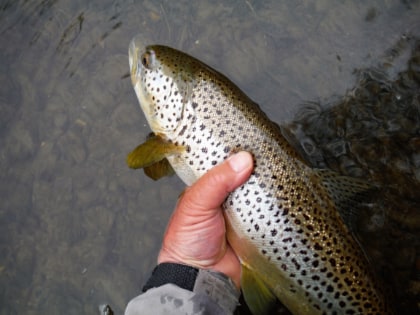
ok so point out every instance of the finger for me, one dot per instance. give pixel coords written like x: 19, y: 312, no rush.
x: 211, y: 189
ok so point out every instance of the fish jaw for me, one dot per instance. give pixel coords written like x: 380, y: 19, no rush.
x: 135, y: 52
x: 164, y: 92
x: 161, y: 96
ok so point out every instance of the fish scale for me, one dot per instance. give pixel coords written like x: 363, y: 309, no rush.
x: 282, y: 223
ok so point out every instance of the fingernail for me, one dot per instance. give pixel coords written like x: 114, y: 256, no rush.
x: 239, y: 161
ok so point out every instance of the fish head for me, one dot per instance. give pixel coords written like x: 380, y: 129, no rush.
x: 162, y: 78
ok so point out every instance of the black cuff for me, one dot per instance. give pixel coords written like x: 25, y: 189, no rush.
x: 181, y: 275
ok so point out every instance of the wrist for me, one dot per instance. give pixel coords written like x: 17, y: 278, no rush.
x: 214, y: 284
x: 228, y: 264
x: 182, y: 275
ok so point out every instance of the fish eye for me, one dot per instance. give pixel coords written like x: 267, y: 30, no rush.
x: 144, y: 59
x: 147, y: 59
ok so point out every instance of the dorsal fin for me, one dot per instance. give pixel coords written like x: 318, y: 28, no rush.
x: 348, y: 193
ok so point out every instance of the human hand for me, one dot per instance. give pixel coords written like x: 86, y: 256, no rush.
x: 196, y: 233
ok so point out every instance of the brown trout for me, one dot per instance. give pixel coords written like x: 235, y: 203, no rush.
x: 282, y: 223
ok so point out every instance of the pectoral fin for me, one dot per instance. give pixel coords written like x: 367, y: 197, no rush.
x: 258, y: 296
x: 155, y: 149
x: 159, y: 169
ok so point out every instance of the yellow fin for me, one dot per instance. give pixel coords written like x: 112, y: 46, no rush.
x: 152, y: 151
x: 159, y: 169
x: 258, y: 296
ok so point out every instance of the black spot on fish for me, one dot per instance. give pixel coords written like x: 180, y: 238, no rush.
x: 317, y: 246
x: 310, y: 227
x: 348, y: 281
x: 297, y: 265
x: 287, y: 240
x: 184, y: 128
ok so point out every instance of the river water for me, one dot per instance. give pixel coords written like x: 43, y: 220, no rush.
x: 78, y: 228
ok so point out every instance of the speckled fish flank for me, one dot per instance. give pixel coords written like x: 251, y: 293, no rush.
x: 282, y: 223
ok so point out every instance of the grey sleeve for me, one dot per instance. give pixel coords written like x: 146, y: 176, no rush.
x: 213, y: 293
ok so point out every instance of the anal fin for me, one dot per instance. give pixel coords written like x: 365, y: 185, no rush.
x: 258, y: 296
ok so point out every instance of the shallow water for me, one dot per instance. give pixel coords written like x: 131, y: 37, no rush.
x: 78, y: 228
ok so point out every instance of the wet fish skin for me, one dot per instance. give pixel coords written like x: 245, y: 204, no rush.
x: 282, y: 223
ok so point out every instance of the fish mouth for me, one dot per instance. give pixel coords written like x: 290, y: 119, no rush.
x: 135, y: 50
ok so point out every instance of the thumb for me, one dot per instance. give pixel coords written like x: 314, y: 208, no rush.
x: 212, y: 188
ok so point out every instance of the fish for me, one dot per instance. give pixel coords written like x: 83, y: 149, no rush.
x: 283, y: 223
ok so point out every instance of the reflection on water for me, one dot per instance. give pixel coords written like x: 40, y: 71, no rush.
x: 80, y: 229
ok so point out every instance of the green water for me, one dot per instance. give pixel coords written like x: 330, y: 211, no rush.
x: 78, y: 228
